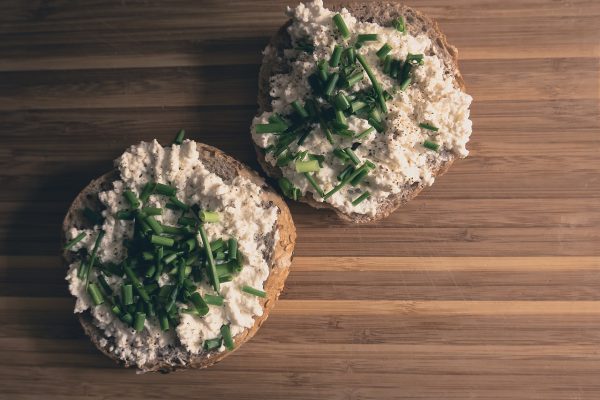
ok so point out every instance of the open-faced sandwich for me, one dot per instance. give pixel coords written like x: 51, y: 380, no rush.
x: 176, y: 257
x: 359, y: 107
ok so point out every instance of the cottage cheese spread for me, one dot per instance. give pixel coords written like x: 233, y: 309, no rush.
x: 399, y: 154
x: 243, y: 216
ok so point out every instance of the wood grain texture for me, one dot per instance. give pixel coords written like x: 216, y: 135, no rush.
x: 487, y: 286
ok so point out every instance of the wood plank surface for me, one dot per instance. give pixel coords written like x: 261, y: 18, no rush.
x: 487, y: 286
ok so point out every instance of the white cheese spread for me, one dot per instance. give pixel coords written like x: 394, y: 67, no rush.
x: 243, y: 216
x: 433, y: 98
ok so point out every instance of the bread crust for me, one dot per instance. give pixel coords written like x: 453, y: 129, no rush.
x: 280, y: 261
x: 380, y: 13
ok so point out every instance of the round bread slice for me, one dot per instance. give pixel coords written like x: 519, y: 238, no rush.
x: 273, y: 63
x: 226, y: 167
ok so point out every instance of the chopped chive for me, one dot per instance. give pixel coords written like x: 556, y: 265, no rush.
x: 359, y: 177
x: 276, y: 119
x: 352, y: 156
x: 154, y: 225
x: 427, y: 126
x: 186, y: 221
x: 151, y: 288
x: 136, y: 283
x: 384, y: 50
x: 179, y: 138
x: 127, y: 294
x: 361, y: 198
x: 341, y: 101
x: 251, y: 290
x: 399, y: 24
x: 233, y: 248
x: 173, y: 230
x: 104, y: 286
x: 138, y: 324
x: 74, y: 241
x: 146, y: 255
x: 405, y: 71
x: 367, y: 37
x: 395, y: 68
x: 340, y: 119
x: 227, y: 339
x: 314, y: 184
x: 333, y: 78
x: 334, y: 61
x: 374, y: 82
x: 211, y: 261
x: 307, y: 166
x: 131, y: 198
x: 376, y: 124
x: 85, y: 270
x: 168, y: 259
x: 341, y: 25
x: 345, y: 181
x: 326, y: 130
x: 341, y: 154
x: 152, y: 210
x: 300, y: 110
x: 147, y: 191
x: 414, y: 59
x: 270, y: 128
x: 209, y: 216
x: 165, y: 190
x: 387, y: 64
x: 212, y: 344
x: 164, y: 321
x: 405, y: 83
x: 288, y: 188
x: 358, y: 105
x: 323, y: 70
x: 199, y: 304
x: 348, y: 170
x: 354, y: 78
x: 319, y: 157
x: 95, y: 294
x: 93, y: 216
x: 178, y: 203
x: 125, y: 215
x: 431, y: 145
x: 350, y: 54
x: 162, y: 241
x: 213, y: 300
x: 365, y: 133
x: 181, y: 273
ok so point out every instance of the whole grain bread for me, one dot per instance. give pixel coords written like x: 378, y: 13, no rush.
x: 279, y: 259
x: 273, y: 63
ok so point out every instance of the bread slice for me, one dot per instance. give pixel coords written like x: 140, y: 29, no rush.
x: 279, y: 259
x: 383, y: 14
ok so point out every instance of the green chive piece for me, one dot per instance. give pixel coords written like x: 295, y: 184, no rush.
x: 367, y: 37
x: 74, y: 241
x: 307, y: 166
x: 227, y: 339
x: 350, y: 53
x: 84, y: 270
x: 165, y: 190
x: 345, y: 181
x: 358, y: 105
x: 136, y: 283
x: 341, y: 102
x: 104, y: 286
x: 181, y: 273
x: 213, y: 300
x: 138, y: 324
x: 300, y: 110
x: 405, y: 83
x: 256, y: 292
x: 199, y: 304
x: 365, y: 133
x: 211, y: 261
x: 125, y: 215
x: 156, y: 227
x: 162, y: 241
x: 361, y: 198
x: 178, y: 203
x: 131, y: 198
x: 209, y: 216
x: 336, y: 56
x: 354, y: 78
x: 147, y: 191
x: 415, y: 59
x: 127, y: 294
x: 173, y: 230
x: 333, y: 78
x: 186, y: 221
x: 399, y: 24
x: 212, y: 344
x: 180, y: 136
x: 431, y: 145
x: 164, y: 322
x: 152, y: 210
x: 428, y: 127
x: 95, y: 294
x: 376, y: 86
x: 383, y: 51
x: 288, y: 188
x: 341, y: 154
x: 341, y: 25
x: 270, y: 128
x: 314, y: 184
x: 358, y: 179
x: 93, y: 216
x: 233, y: 248
x: 323, y: 70
x: 168, y: 259
x: 355, y: 160
x: 387, y: 64
x: 340, y: 119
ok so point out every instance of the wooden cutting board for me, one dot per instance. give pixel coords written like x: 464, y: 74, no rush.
x: 486, y: 286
